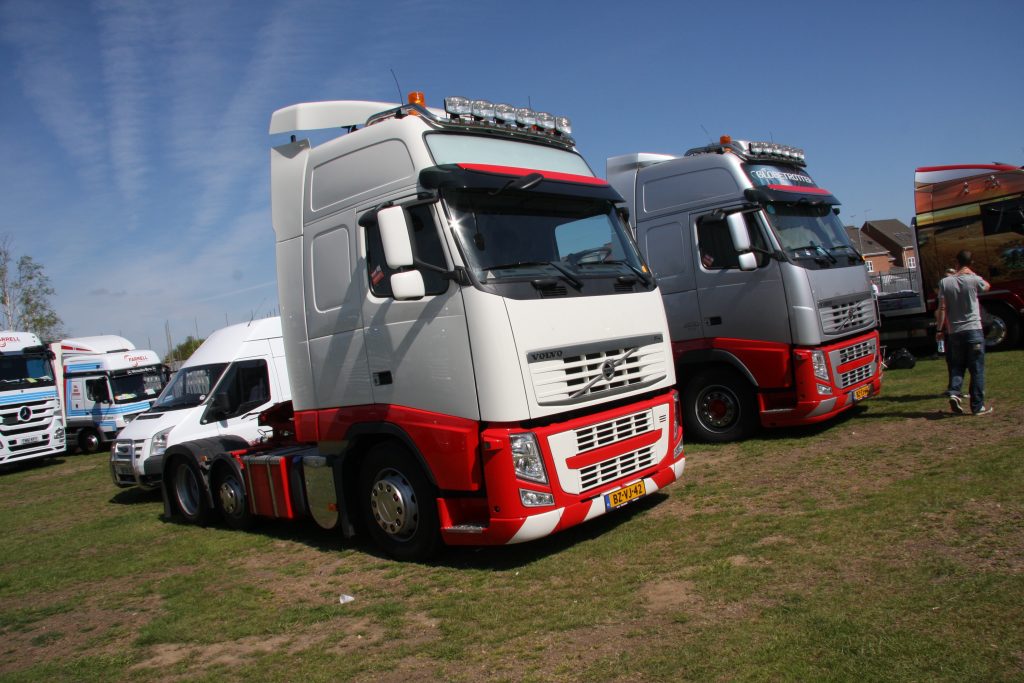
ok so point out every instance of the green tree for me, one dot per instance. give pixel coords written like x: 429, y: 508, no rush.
x: 25, y: 293
x: 183, y: 350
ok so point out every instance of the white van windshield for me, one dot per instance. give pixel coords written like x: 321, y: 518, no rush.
x: 189, y: 387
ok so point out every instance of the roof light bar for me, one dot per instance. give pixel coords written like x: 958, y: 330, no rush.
x: 754, y: 151
x: 463, y: 111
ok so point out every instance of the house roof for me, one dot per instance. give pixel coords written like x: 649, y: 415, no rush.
x: 864, y: 244
x: 897, y: 231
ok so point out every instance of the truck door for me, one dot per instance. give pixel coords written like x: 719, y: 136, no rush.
x: 736, y: 304
x: 240, y: 396
x: 666, y: 247
x: 418, y: 351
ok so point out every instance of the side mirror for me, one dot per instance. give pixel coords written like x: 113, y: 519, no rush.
x: 748, y: 261
x: 408, y: 285
x: 394, y: 237
x: 738, y: 231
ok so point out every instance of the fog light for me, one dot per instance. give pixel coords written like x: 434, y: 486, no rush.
x: 533, y: 499
x: 824, y: 390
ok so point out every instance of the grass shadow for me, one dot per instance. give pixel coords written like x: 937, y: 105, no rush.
x: 135, y: 496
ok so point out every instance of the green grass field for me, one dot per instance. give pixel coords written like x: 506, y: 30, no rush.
x: 885, y: 546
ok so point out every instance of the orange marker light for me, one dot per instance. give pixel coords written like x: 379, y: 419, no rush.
x: 725, y: 140
x: 417, y: 97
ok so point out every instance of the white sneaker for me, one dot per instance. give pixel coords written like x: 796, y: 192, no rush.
x: 955, y: 405
x: 983, y: 411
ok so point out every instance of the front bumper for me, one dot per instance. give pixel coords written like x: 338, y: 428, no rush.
x: 129, y: 465
x: 640, y: 442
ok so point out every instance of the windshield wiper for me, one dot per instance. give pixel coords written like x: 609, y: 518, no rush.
x: 622, y: 262
x: 566, y: 273
x: 847, y: 247
x: 817, y: 249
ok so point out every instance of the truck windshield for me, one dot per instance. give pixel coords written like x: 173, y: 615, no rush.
x: 812, y: 233
x: 189, y: 387
x: 517, y: 235
x: 137, y: 386
x: 25, y: 371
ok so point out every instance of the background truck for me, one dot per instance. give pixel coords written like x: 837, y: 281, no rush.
x: 31, y: 420
x: 770, y: 311
x: 978, y: 207
x: 107, y: 383
x: 216, y: 396
x: 478, y: 354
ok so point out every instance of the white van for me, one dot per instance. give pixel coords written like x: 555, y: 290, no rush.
x: 107, y: 383
x: 237, y: 373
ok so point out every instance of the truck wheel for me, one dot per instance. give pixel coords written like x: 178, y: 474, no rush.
x: 230, y: 497
x: 88, y: 441
x: 186, y: 490
x: 718, y: 406
x: 397, y: 503
x: 1002, y: 327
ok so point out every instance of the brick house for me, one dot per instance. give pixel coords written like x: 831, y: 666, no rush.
x: 876, y: 257
x: 896, y: 237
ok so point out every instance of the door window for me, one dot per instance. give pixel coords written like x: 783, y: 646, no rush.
x: 245, y: 386
x: 426, y: 244
x: 715, y: 243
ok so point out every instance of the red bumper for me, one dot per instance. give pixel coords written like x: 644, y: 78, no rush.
x: 634, y: 450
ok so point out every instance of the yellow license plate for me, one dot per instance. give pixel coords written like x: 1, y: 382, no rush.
x: 620, y: 497
x: 862, y: 393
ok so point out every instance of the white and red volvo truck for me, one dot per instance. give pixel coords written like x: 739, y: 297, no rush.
x: 477, y: 352
x: 770, y: 311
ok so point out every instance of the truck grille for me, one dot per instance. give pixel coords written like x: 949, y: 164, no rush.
x: 21, y: 435
x: 595, y: 436
x: 577, y: 374
x: 567, y: 445
x: 616, y: 468
x: 860, y: 374
x: 855, y: 351
x: 842, y: 316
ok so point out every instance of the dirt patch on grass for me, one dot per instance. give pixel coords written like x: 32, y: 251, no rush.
x: 90, y: 628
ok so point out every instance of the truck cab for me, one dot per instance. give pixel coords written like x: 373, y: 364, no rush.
x: 770, y: 312
x: 107, y: 383
x: 217, y: 394
x: 31, y: 418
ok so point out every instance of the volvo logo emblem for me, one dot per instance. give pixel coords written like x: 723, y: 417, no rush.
x: 608, y: 369
x: 25, y: 414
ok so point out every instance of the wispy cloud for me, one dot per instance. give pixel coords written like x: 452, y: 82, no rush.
x: 52, y: 65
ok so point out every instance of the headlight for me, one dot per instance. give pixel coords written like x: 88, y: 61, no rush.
x: 818, y: 360
x: 526, y: 458
x: 160, y: 441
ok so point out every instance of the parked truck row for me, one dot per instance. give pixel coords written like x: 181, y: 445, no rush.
x: 473, y: 345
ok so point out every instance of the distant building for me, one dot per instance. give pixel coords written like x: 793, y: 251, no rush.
x: 896, y: 237
x: 876, y: 257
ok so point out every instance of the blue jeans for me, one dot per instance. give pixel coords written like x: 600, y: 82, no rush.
x: 967, y: 353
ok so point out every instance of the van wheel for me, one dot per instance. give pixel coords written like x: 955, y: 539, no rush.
x: 88, y: 441
x: 187, y: 492
x: 397, y: 504
x: 718, y: 406
x: 230, y: 497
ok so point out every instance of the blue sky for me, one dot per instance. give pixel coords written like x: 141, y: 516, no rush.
x: 135, y: 134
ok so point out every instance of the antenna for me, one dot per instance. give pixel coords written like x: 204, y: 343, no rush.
x: 710, y: 139
x: 400, y: 97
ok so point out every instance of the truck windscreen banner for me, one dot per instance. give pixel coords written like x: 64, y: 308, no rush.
x: 763, y: 175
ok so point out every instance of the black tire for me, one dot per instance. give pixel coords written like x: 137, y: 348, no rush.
x: 397, y: 503
x: 718, y: 406
x: 1001, y: 325
x: 186, y: 490
x: 230, y: 497
x: 89, y: 441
